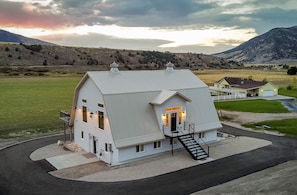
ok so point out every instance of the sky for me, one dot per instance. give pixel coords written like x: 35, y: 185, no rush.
x: 197, y: 26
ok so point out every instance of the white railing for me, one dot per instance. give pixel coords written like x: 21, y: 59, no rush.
x: 225, y: 94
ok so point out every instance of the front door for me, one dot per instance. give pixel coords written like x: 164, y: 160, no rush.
x: 173, y: 121
x: 94, y: 145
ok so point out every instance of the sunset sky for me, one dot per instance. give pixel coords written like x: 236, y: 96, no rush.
x: 202, y: 26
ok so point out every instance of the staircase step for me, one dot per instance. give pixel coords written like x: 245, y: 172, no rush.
x: 193, y: 147
x: 202, y: 157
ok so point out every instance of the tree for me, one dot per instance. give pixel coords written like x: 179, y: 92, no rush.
x: 292, y: 70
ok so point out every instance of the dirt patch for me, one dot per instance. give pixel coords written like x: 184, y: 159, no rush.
x: 248, y: 117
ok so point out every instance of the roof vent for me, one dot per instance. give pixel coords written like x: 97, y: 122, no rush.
x: 169, y: 67
x: 114, y: 68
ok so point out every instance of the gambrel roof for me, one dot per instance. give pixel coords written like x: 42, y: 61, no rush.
x: 129, y: 97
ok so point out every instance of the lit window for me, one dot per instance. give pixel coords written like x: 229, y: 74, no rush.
x: 101, y: 120
x: 167, y: 120
x: 82, y: 135
x: 140, y: 148
x: 157, y: 144
x: 84, y: 113
x: 201, y: 134
x: 180, y: 117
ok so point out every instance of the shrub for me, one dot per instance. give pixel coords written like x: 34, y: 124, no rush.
x: 35, y: 48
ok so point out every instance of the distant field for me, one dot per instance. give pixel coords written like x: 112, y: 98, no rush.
x: 31, y: 105
x: 278, y: 77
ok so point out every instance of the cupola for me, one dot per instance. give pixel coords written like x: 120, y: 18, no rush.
x: 114, y: 67
x: 169, y: 66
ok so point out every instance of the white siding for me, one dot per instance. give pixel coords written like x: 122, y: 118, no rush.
x: 130, y: 153
x: 90, y: 128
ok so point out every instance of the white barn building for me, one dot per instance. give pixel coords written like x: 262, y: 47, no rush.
x: 124, y: 115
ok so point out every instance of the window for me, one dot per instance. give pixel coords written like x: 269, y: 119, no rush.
x: 140, y: 148
x: 201, y: 135
x: 82, y: 135
x: 84, y: 113
x: 157, y: 144
x: 84, y: 100
x: 172, y: 141
x: 180, y: 117
x: 101, y: 105
x: 167, y: 120
x: 108, y: 147
x: 101, y: 120
x: 174, y: 108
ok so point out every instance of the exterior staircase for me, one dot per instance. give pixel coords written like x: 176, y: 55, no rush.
x: 193, y: 147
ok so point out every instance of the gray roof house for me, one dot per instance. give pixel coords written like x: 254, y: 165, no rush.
x: 125, y: 115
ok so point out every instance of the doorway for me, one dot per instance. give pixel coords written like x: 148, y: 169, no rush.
x: 94, y: 145
x: 173, y: 121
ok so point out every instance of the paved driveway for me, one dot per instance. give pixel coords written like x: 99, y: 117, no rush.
x: 20, y: 175
x: 290, y: 104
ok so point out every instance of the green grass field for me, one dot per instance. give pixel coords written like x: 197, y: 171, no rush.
x: 257, y: 106
x: 32, y: 104
x: 285, y: 92
x: 286, y: 126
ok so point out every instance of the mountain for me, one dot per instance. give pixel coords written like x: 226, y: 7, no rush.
x: 6, y: 36
x: 23, y: 51
x: 277, y: 45
x: 101, y: 58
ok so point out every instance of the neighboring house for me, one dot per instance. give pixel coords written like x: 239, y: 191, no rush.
x: 124, y: 115
x: 246, y: 87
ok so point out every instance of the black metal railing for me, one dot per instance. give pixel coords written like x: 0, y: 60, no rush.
x: 204, y: 144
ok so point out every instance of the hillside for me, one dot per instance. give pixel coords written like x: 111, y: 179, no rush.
x: 46, y: 55
x: 6, y: 36
x: 277, y: 45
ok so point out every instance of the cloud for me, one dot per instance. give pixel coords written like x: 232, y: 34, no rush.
x: 176, y: 25
x: 30, y: 15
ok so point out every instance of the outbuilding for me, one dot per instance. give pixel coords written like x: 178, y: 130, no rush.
x: 246, y: 87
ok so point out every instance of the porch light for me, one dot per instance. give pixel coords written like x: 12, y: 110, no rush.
x: 184, y: 113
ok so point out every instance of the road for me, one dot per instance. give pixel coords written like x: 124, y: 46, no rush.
x: 20, y: 175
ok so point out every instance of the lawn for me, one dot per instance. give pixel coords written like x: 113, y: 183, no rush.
x: 286, y: 126
x: 285, y: 92
x: 32, y: 104
x: 257, y: 106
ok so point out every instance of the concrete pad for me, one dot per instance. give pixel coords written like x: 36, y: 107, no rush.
x: 71, y: 160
